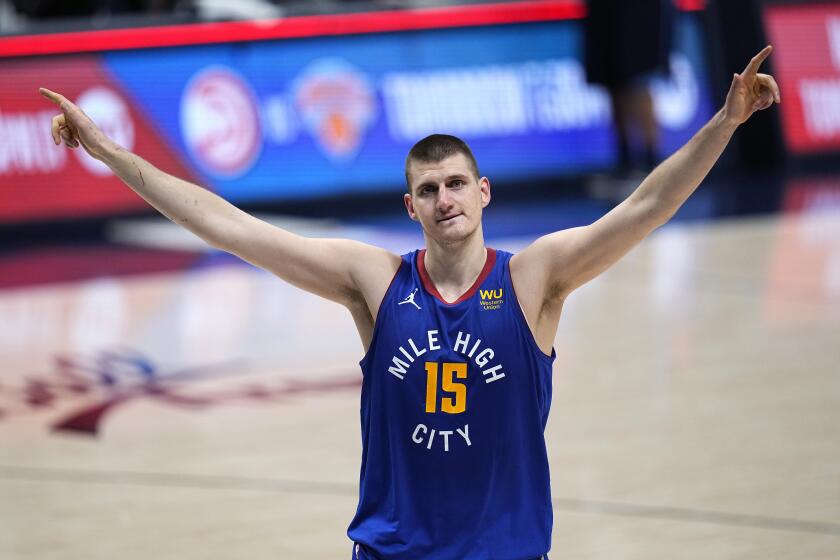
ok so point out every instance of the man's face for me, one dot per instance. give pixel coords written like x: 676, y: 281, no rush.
x: 446, y: 198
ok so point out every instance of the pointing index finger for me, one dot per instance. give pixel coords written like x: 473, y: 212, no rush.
x: 756, y: 61
x: 56, y: 98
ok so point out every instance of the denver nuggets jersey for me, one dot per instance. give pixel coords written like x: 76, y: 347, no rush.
x: 455, y: 399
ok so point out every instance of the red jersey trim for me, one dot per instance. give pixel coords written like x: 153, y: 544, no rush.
x: 430, y: 286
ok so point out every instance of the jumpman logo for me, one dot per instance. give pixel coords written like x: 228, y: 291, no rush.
x: 410, y: 299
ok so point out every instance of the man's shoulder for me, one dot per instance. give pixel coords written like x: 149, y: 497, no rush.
x: 528, y: 269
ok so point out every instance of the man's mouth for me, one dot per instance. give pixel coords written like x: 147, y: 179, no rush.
x: 447, y: 218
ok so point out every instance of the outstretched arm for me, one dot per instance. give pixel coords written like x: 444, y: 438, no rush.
x: 562, y: 261
x: 341, y: 270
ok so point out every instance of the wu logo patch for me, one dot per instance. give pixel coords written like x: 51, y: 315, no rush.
x: 410, y: 299
x: 491, y: 299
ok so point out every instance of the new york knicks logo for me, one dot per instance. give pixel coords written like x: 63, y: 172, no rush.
x: 491, y: 299
x: 336, y: 104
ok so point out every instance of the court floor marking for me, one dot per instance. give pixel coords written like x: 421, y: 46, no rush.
x: 217, y: 482
x: 696, y: 516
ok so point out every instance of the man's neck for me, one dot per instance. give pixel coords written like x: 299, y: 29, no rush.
x: 454, y: 268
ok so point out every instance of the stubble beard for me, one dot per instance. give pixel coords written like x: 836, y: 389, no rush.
x: 462, y: 233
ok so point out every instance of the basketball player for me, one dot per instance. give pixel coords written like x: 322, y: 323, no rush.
x: 457, y: 372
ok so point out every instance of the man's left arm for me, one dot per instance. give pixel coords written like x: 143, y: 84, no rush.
x: 558, y: 263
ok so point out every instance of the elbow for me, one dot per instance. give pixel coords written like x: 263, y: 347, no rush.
x: 211, y: 238
x: 655, y: 210
x: 217, y: 244
x: 217, y: 240
x: 219, y: 234
x: 662, y: 217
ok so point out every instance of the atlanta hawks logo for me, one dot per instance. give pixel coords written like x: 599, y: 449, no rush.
x: 410, y: 299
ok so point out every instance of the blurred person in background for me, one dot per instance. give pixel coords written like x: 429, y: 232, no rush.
x: 626, y: 45
x: 458, y: 337
x: 54, y: 9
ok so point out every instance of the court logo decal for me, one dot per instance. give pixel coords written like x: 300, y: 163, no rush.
x: 81, y: 391
x: 410, y: 299
x: 491, y: 299
x: 336, y: 103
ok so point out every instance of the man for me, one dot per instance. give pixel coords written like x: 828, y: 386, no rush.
x: 626, y: 46
x: 458, y: 337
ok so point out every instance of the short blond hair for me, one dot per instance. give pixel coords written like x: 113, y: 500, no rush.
x: 435, y: 148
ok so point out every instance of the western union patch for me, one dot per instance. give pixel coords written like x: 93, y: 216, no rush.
x: 491, y: 299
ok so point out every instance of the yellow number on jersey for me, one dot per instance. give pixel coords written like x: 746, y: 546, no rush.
x: 449, y: 405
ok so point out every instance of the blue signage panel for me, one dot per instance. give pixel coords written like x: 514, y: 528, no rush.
x: 328, y: 115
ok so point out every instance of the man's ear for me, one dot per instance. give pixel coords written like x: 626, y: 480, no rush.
x: 484, y: 187
x: 409, y: 206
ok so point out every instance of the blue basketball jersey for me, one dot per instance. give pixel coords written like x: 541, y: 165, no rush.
x: 455, y: 399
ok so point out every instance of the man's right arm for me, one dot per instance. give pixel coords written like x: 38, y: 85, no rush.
x: 336, y: 269
x: 342, y: 270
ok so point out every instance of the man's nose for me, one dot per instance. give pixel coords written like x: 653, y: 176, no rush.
x: 443, y: 198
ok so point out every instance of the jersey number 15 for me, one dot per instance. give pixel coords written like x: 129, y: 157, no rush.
x: 450, y: 405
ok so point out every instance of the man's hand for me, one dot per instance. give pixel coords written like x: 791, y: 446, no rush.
x: 751, y: 91
x: 74, y: 127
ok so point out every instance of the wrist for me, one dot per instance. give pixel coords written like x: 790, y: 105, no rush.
x: 725, y: 122
x: 109, y: 152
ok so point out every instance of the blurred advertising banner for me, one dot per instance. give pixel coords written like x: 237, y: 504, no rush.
x: 806, y: 62
x: 329, y: 113
x: 41, y: 180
